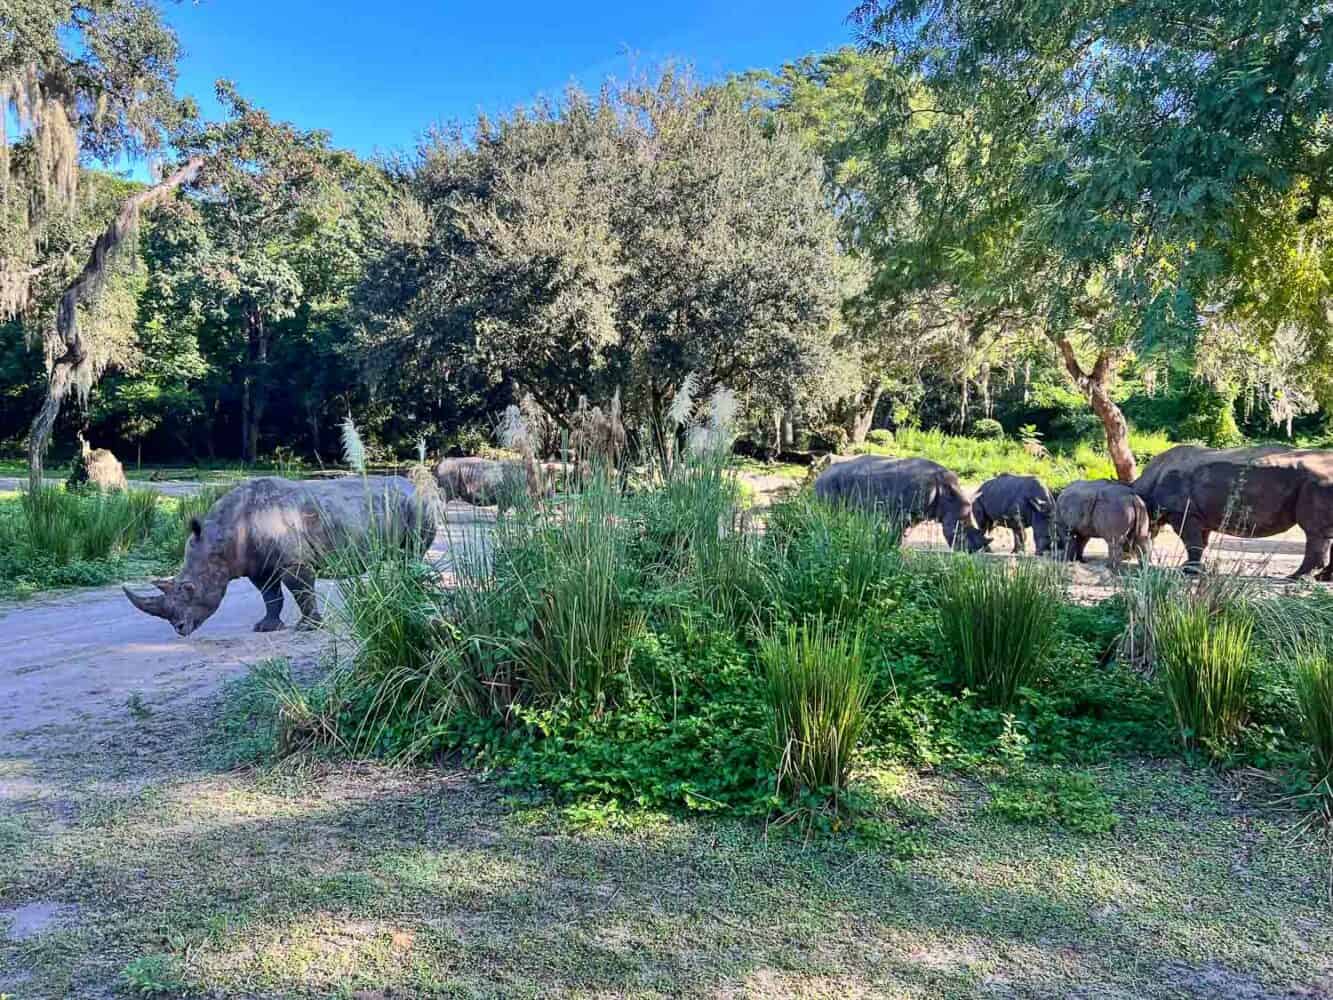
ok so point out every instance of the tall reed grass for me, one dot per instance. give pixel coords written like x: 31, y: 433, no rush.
x: 1206, y: 661
x: 998, y: 623
x: 818, y: 688
x: 1312, y: 679
x: 67, y: 527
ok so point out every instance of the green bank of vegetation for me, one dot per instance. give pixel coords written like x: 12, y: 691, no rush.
x: 56, y: 538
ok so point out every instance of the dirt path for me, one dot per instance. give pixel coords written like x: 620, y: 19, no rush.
x: 80, y: 657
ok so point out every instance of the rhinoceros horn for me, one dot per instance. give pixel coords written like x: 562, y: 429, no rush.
x: 151, y: 604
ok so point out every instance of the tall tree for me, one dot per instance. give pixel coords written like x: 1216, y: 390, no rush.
x: 267, y: 193
x: 1083, y: 164
x: 623, y: 241
x: 82, y: 80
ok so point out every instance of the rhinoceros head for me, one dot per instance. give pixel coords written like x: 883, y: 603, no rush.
x: 191, y: 597
x: 1041, y: 524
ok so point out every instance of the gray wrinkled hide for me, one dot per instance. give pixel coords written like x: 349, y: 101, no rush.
x: 1105, y: 509
x: 1254, y: 492
x: 912, y: 489
x: 277, y: 532
x: 482, y: 482
x: 1018, y: 503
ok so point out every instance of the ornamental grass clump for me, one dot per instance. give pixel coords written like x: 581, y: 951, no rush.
x: 1312, y: 680
x: 1204, y: 656
x: 818, y: 688
x: 998, y: 623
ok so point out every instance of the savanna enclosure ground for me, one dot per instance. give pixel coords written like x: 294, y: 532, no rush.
x: 151, y: 845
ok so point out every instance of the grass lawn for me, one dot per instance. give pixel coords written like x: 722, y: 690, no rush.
x: 152, y: 868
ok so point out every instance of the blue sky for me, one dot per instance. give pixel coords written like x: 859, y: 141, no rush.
x: 376, y: 75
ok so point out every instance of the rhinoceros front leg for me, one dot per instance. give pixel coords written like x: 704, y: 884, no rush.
x: 1195, y: 538
x: 1316, y: 557
x: 1015, y: 525
x: 271, y: 590
x: 301, y: 583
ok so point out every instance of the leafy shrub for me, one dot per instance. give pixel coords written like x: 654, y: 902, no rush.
x: 1204, y: 656
x: 831, y: 438
x: 988, y: 429
x: 998, y: 623
x: 818, y: 689
x: 881, y: 437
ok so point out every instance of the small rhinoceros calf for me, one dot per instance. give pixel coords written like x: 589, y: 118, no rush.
x: 1104, y: 509
x: 1018, y: 503
x: 910, y: 489
x: 279, y: 532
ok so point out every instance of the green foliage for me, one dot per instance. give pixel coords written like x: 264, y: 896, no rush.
x: 833, y: 562
x: 1312, y: 678
x: 988, y: 429
x: 880, y: 437
x: 998, y: 623
x: 818, y: 690
x: 1206, y: 661
x: 1072, y: 799
x: 154, y: 975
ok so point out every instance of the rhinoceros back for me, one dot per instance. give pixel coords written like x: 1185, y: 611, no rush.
x: 269, y: 522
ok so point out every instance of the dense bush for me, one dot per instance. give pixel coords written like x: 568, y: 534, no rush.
x: 988, y: 429
x: 881, y: 436
x: 1313, y: 681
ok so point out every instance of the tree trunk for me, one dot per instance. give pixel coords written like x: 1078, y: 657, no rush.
x: 82, y: 291
x: 254, y: 392
x: 861, y: 418
x: 1096, y: 385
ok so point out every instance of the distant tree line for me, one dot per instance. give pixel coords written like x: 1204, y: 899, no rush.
x: 1044, y: 214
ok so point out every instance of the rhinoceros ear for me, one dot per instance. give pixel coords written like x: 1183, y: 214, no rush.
x: 196, y: 528
x: 152, y: 604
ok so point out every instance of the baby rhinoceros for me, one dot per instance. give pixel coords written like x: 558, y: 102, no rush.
x: 1018, y: 503
x: 1104, y: 509
x: 276, y: 533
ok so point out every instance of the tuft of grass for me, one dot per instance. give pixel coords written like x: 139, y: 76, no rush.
x: 835, y: 560
x: 818, y: 688
x: 154, y: 975
x: 1073, y: 800
x: 998, y: 623
x: 1312, y: 678
x: 1206, y: 661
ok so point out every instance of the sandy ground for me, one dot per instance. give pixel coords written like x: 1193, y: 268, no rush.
x: 81, y: 656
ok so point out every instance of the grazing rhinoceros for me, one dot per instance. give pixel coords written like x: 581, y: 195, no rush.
x: 1018, y: 503
x: 278, y: 532
x: 1244, y: 491
x: 484, y: 482
x: 1106, y: 509
x: 913, y: 489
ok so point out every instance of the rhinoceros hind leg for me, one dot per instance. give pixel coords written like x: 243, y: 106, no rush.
x: 302, y: 585
x: 1316, y: 557
x: 271, y: 591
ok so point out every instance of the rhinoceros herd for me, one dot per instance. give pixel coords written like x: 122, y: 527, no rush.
x: 279, y: 533
x: 1255, y: 492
